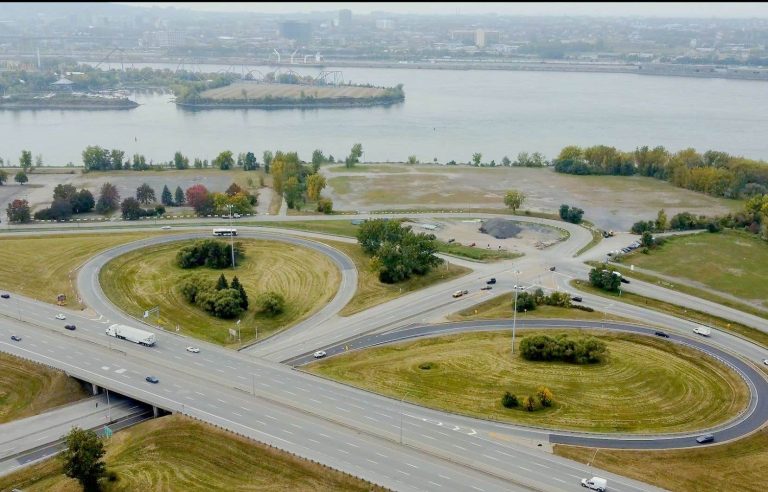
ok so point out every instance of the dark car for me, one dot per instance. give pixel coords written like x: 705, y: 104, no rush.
x: 487, y: 287
x: 152, y: 379
x: 576, y: 299
x: 15, y: 338
x: 5, y: 296
x: 705, y: 438
x: 491, y: 281
x: 624, y: 280
x: 661, y: 334
x: 70, y: 327
x: 552, y: 269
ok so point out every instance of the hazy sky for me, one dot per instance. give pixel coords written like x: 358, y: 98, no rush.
x: 650, y: 9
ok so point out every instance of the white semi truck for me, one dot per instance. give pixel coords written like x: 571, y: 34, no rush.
x: 131, y: 334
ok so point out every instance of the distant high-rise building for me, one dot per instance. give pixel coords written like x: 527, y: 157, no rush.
x: 385, y: 24
x: 345, y: 18
x: 296, y: 30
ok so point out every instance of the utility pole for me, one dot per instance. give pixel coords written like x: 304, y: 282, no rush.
x: 514, y: 311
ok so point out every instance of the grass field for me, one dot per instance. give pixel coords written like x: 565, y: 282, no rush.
x: 732, y: 261
x: 39, y: 267
x: 253, y: 90
x: 645, y: 385
x: 757, y: 336
x: 370, y: 292
x: 500, y: 307
x: 477, y: 254
x: 27, y: 388
x: 369, y: 168
x: 175, y: 453
x: 147, y: 277
x: 742, y: 462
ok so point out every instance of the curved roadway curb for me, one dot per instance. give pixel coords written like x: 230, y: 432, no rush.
x: 748, y: 421
x: 93, y: 296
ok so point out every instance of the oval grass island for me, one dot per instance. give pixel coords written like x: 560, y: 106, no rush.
x: 644, y: 385
x: 285, y: 96
x: 149, y: 277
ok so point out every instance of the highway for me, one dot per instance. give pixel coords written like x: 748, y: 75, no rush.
x: 251, y: 393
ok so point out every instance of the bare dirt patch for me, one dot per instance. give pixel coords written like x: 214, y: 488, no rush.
x: 255, y: 90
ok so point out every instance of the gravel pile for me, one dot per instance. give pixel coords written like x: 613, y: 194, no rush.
x: 501, y: 228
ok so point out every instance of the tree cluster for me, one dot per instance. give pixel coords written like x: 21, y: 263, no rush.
x: 713, y: 172
x: 82, y: 458
x: 67, y: 201
x: 270, y: 303
x: 581, y: 350
x: 96, y: 158
x: 18, y: 212
x: 603, y: 278
x: 207, y: 203
x: 209, y: 253
x: 130, y: 209
x: 528, y: 301
x: 298, y: 182
x: 218, y: 298
x: 571, y: 214
x: 397, y: 253
x: 544, y: 398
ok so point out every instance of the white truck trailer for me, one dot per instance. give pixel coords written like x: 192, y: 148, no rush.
x: 131, y: 334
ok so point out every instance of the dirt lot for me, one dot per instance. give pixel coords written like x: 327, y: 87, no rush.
x: 611, y: 202
x: 254, y: 90
x: 530, y: 238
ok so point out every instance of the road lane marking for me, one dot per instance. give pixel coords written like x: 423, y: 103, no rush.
x: 316, y: 401
x: 222, y: 401
x: 428, y: 437
x: 345, y: 452
x: 270, y: 417
x: 343, y: 409
x: 310, y: 439
x: 381, y: 455
x: 287, y: 431
x: 457, y: 446
x: 437, y: 484
x: 371, y: 461
x: 290, y: 393
x: 443, y: 476
x: 321, y: 434
x: 353, y: 445
x: 297, y: 426
x: 539, y: 464
x: 241, y: 377
x: 490, y: 457
x: 477, y: 488
x: 404, y: 473
x: 246, y: 409
x: 524, y: 468
x: 412, y: 466
x: 120, y: 371
x: 370, y: 418
x: 555, y: 478
x: 198, y: 393
x: 235, y: 413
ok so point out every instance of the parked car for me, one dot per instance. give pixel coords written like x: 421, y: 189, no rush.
x: 486, y: 287
x: 5, y: 296
x: 705, y: 438
x: 451, y: 240
x: 319, y: 354
x: 491, y: 281
x: 551, y: 269
x: 60, y: 316
x: 70, y: 327
x: 15, y: 338
x: 194, y: 350
x: 576, y: 299
x: 624, y: 280
x: 661, y: 334
x: 152, y: 379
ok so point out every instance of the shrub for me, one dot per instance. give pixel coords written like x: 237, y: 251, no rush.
x: 545, y: 396
x: 221, y: 302
x: 509, y: 400
x: 583, y: 308
x: 529, y: 403
x: 208, y: 252
x: 583, y: 350
x: 270, y: 303
x: 426, y: 366
x: 325, y: 205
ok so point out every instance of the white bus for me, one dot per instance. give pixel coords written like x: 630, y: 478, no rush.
x: 225, y: 231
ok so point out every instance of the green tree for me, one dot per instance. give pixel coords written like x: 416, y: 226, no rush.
x: 64, y: 192
x: 270, y: 303
x: 82, y: 458
x: 506, y: 162
x: 224, y: 161
x: 25, y: 161
x: 221, y: 283
x: 476, y: 158
x: 646, y: 240
x: 357, y: 152
x: 529, y: 403
x: 109, y: 198
x: 315, y: 185
x: 250, y: 163
x: 412, y: 159
x: 514, y: 199
x: 325, y: 205
x: 227, y: 304
x: 179, y: 196
x: 267, y: 157
x: 145, y: 194
x: 131, y: 209
x: 39, y: 160
x: 21, y: 177
x: 96, y: 159
x: 18, y: 211
x: 509, y: 400
x: 603, y: 278
x: 317, y: 159
x: 83, y: 202
x: 292, y: 191
x: 236, y: 285
x: 166, y: 198
x: 116, y: 159
x: 545, y: 396
x: 3, y: 177
x: 179, y: 161
x: 661, y: 221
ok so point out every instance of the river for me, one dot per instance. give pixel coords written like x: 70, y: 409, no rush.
x: 447, y: 114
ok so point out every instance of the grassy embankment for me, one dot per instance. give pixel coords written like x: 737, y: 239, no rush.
x: 735, y: 263
x: 27, y: 388
x: 145, y: 278
x: 178, y: 453
x: 644, y: 385
x: 40, y: 267
x: 500, y: 307
x: 711, y: 468
x: 748, y: 332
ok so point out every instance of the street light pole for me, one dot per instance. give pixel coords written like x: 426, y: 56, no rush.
x: 109, y: 408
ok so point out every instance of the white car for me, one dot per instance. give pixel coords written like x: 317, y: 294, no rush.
x: 60, y: 316
x: 703, y: 331
x: 519, y: 287
x: 765, y: 361
x: 194, y: 350
x: 166, y: 228
x: 319, y: 354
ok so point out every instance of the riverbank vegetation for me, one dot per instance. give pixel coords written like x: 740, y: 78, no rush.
x: 467, y: 373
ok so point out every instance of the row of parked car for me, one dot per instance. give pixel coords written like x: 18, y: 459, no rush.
x: 626, y: 249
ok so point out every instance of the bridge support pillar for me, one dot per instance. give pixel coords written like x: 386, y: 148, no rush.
x: 155, y: 411
x: 94, y: 389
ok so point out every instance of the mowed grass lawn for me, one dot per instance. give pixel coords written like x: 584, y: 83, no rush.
x: 148, y: 277
x: 39, y: 267
x: 27, y: 388
x: 645, y: 385
x: 711, y: 468
x: 731, y: 261
x: 178, y: 453
x: 371, y: 292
